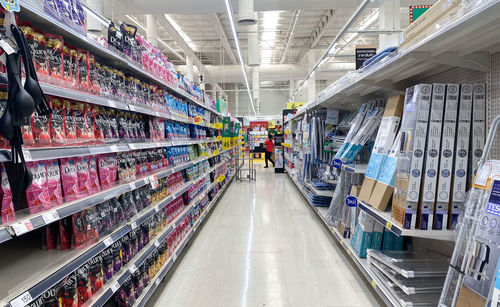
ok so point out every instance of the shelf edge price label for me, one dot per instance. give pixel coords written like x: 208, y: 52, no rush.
x: 374, y: 284
x: 218, y: 125
x: 108, y: 241
x: 198, y: 120
x: 157, y: 281
x: 22, y: 300
x: 132, y: 269
x: 22, y: 227
x: 27, y: 153
x: 50, y: 216
x: 216, y: 152
x: 157, y: 243
x: 221, y: 178
x: 154, y: 181
x: 388, y: 225
x: 115, y: 287
x: 219, y: 138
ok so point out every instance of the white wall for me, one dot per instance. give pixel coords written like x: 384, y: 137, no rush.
x: 271, y: 102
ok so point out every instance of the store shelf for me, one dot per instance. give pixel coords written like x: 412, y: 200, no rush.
x: 29, y: 223
x: 153, y: 285
x: 386, y: 219
x: 32, y: 12
x: 465, y: 43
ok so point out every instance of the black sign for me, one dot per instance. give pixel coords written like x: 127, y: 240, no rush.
x: 363, y: 54
x: 278, y: 139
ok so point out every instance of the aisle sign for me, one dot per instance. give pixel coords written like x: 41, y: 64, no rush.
x: 294, y: 105
x: 226, y: 143
x: 363, y: 54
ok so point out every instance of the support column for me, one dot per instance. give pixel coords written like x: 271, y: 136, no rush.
x: 389, y: 19
x: 311, y: 83
x: 189, y: 68
x: 151, y: 29
x: 93, y: 25
x: 256, y: 89
x: 236, y: 100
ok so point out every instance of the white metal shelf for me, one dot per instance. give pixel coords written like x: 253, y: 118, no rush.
x: 31, y: 12
x: 60, y: 263
x: 38, y: 220
x: 465, y: 43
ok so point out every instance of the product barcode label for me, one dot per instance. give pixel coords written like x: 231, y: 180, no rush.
x: 132, y: 269
x: 133, y: 225
x: 115, y: 287
x: 108, y: 241
x: 154, y: 181
x: 27, y: 155
x: 426, y: 98
x: 22, y: 300
x: 479, y: 96
x: 453, y: 97
x: 157, y: 243
x: 50, y: 216
x: 157, y: 282
x: 20, y: 228
x: 467, y: 97
x: 439, y: 97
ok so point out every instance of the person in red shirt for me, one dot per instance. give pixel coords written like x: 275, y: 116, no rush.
x: 269, y: 150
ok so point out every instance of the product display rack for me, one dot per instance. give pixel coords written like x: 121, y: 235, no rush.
x: 29, y: 11
x: 69, y: 262
x: 449, y: 47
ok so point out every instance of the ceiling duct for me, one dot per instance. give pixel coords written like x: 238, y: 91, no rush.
x: 93, y: 24
x: 253, y: 46
x: 246, y: 16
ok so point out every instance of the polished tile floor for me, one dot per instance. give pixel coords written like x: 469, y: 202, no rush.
x: 263, y: 247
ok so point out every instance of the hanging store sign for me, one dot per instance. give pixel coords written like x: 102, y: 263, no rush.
x: 363, y: 54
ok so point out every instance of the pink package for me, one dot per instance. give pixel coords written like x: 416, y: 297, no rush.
x: 69, y: 179
x: 37, y: 195
x: 8, y: 215
x: 82, y: 173
x: 54, y: 183
x: 108, y: 169
x: 94, y: 186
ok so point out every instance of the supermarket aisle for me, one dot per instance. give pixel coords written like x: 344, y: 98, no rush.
x: 263, y: 247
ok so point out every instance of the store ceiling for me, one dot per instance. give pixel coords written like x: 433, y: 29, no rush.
x: 197, y: 22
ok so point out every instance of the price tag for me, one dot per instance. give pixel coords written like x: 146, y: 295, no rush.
x: 175, y: 257
x: 10, y: 5
x: 27, y: 155
x: 216, y: 152
x: 221, y: 178
x: 157, y: 208
x: 132, y: 269
x: 115, y: 287
x: 342, y: 242
x: 219, y: 138
x: 287, y: 132
x: 157, y: 282
x: 388, y: 225
x: 157, y: 243
x: 133, y: 225
x: 132, y: 146
x: 198, y: 120
x: 22, y: 227
x: 351, y: 201
x: 22, y: 300
x: 108, y: 241
x: 50, y: 216
x: 154, y: 181
x: 349, y: 252
x: 374, y: 284
x: 218, y: 125
x: 337, y: 163
x: 242, y: 149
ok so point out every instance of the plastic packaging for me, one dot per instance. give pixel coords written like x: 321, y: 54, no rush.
x: 37, y: 194
x: 54, y: 183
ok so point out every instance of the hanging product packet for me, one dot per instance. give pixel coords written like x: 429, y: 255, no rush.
x: 67, y: 291
x: 115, y: 37
x: 37, y: 195
x: 79, y: 229
x: 94, y: 185
x: 108, y: 168
x: 67, y: 65
x: 27, y: 131
x: 82, y: 172
x: 73, y: 52
x: 55, y: 46
x: 78, y: 16
x: 93, y: 76
x: 96, y: 277
x: 41, y: 129
x: 57, y: 121
x: 79, y: 109
x: 7, y: 210
x: 54, y: 183
x: 89, y: 123
x: 128, y: 39
x: 83, y: 70
x: 69, y: 179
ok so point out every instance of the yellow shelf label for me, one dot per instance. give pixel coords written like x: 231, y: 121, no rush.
x: 388, y: 225
x: 374, y: 284
x: 221, y: 178
x: 219, y: 138
x: 216, y: 152
x: 218, y: 125
x: 287, y: 132
x: 198, y: 120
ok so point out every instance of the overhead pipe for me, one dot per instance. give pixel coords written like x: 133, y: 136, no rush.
x: 246, y: 16
x: 253, y: 45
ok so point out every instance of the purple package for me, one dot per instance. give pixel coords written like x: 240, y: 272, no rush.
x: 117, y: 261
x: 78, y: 16
x: 52, y: 8
x: 107, y: 264
x: 145, y: 234
x: 126, y: 249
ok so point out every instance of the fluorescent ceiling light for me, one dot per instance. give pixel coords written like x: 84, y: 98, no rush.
x: 269, y: 24
x: 179, y: 30
x: 238, y: 49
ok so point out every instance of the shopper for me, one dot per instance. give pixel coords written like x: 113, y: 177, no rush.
x: 269, y: 149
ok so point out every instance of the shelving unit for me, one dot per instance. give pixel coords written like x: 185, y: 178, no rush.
x: 465, y: 43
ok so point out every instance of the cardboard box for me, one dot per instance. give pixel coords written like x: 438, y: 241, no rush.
x: 447, y: 156
x: 432, y: 154
x: 430, y: 17
x: 460, y: 166
x: 478, y: 128
x: 410, y: 157
x: 361, y: 239
x: 388, y: 128
x: 469, y: 298
x: 343, y: 229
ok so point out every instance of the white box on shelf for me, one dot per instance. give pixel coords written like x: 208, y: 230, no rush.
x: 460, y: 166
x: 431, y: 158
x: 447, y: 156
